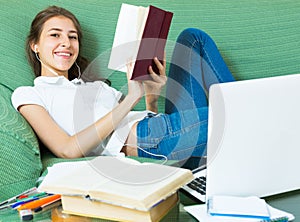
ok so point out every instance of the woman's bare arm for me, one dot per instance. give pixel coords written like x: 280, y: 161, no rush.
x: 65, y: 146
x: 154, y: 87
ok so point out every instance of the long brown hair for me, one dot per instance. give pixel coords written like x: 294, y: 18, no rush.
x: 35, y: 33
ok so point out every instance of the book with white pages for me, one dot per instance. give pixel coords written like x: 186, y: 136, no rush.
x: 118, y: 181
x: 140, y: 35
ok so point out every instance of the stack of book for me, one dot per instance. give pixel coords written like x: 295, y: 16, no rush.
x: 114, y: 188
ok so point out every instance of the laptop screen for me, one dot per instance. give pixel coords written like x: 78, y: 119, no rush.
x: 253, y: 137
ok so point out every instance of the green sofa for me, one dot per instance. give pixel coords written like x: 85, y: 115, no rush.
x: 257, y: 38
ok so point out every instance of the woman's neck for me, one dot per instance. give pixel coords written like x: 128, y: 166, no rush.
x: 47, y: 71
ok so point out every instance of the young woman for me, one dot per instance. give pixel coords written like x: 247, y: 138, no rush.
x: 74, y: 118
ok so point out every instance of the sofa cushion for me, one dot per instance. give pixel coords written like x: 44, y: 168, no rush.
x: 256, y: 38
x: 15, y: 70
x: 20, y: 161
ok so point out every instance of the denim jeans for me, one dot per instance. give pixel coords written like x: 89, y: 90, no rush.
x: 181, y: 132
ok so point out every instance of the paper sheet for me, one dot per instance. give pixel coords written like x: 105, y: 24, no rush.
x: 200, y: 213
x: 244, y: 206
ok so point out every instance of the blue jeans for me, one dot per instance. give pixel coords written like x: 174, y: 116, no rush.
x: 181, y: 132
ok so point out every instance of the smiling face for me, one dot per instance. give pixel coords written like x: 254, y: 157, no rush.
x: 58, y: 46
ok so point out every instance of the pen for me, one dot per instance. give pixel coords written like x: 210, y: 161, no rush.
x: 23, y: 196
x: 39, y: 202
x: 17, y: 196
x: 28, y: 199
x: 19, y: 203
x: 33, y: 197
x: 46, y: 206
x: 6, y: 206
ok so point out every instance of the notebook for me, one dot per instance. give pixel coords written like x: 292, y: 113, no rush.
x: 253, y: 139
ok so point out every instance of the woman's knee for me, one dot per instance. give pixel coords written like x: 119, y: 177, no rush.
x: 191, y: 35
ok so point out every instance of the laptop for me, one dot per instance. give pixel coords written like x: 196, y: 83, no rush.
x: 253, y: 139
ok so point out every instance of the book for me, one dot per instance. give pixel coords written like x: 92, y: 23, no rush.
x: 79, y: 206
x: 141, y: 34
x: 247, y: 207
x: 118, y: 181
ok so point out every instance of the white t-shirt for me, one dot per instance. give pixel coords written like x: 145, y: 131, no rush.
x: 75, y: 106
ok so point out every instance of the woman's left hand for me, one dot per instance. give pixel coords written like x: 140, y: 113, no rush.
x: 154, y: 86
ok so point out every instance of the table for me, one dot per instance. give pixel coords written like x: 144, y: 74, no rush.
x: 289, y: 202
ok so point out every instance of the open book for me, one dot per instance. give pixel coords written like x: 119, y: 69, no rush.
x: 117, y: 181
x: 140, y: 35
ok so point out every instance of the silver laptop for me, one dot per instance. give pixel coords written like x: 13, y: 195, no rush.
x: 253, y: 139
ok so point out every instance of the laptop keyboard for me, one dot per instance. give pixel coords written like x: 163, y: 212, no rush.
x: 198, y: 184
x: 197, y: 187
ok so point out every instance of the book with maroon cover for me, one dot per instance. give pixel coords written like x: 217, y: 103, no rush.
x: 152, y: 43
x: 141, y: 35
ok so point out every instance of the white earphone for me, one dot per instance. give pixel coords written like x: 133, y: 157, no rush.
x: 46, y: 66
